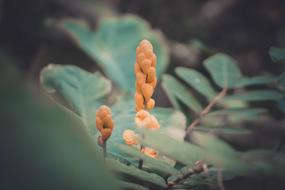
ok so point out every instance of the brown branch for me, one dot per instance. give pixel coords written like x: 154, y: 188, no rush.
x: 197, y: 168
x: 206, y: 110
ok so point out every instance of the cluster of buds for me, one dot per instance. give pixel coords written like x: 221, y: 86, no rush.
x: 145, y: 71
x: 104, y: 123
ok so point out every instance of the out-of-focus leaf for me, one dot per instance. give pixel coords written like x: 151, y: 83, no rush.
x: 223, y: 69
x: 150, y: 164
x: 167, y: 88
x: 131, y: 173
x: 281, y: 105
x: 83, y: 91
x: 258, y: 80
x: 281, y: 82
x: 277, y: 54
x: 223, y: 130
x: 44, y: 146
x: 181, y: 93
x: 231, y: 116
x: 197, y: 81
x: 183, y: 152
x: 113, y: 46
x: 213, y: 144
x: 188, y: 154
x: 266, y: 163
x: 256, y: 95
x: 130, y: 186
x: 172, y: 122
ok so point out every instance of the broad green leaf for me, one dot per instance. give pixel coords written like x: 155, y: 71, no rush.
x: 181, y: 93
x: 171, y: 96
x: 181, y: 151
x: 213, y: 144
x: 113, y: 46
x: 188, y: 154
x: 83, y: 91
x: 231, y: 116
x: 153, y: 165
x: 130, y: 186
x: 197, y: 81
x: 256, y: 95
x: 277, y: 54
x: 223, y: 69
x: 43, y: 145
x: 132, y: 173
x: 258, y: 80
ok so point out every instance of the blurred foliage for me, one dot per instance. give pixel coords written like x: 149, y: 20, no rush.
x: 113, y: 43
x: 44, y: 146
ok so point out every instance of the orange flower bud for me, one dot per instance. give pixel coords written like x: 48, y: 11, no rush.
x: 141, y: 78
x: 139, y: 101
x: 145, y: 120
x: 153, y: 83
x: 153, y: 63
x: 104, y: 122
x: 151, y: 75
x: 137, y: 68
x: 145, y: 65
x: 149, y: 152
x: 140, y: 57
x: 147, y: 91
x: 150, y: 104
x: 130, y: 137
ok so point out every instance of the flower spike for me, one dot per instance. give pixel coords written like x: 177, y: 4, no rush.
x: 145, y: 71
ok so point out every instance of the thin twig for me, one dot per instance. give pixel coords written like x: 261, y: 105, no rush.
x: 220, y: 180
x: 140, y: 166
x: 197, y: 168
x: 104, y: 146
x: 206, y: 110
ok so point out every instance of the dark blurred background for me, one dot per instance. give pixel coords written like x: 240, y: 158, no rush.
x: 244, y: 29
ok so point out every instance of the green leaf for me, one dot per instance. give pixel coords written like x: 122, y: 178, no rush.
x: 258, y: 80
x: 130, y: 186
x: 184, y: 152
x: 188, y: 153
x: 44, y: 145
x: 277, y: 54
x: 150, y: 164
x: 213, y: 144
x: 223, y: 130
x: 231, y: 116
x: 113, y: 46
x: 181, y: 93
x: 256, y: 95
x: 83, y: 91
x: 197, y: 81
x: 281, y: 82
x: 223, y: 69
x: 131, y: 173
